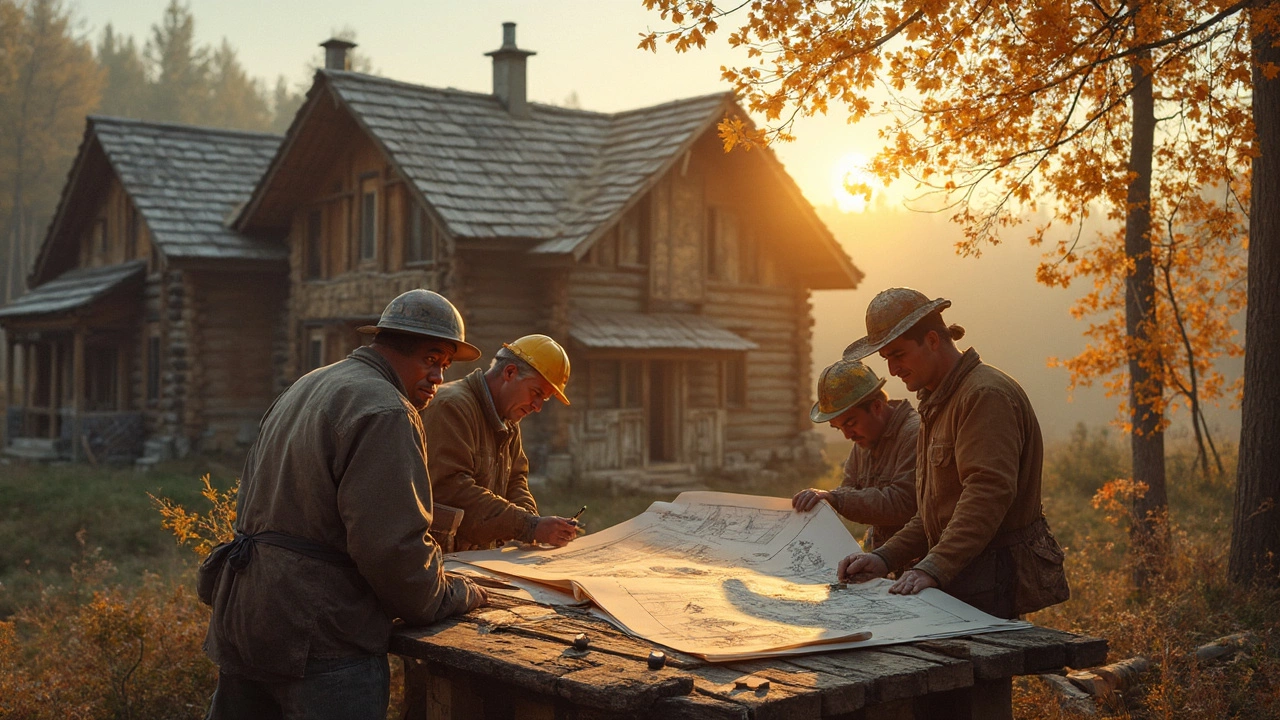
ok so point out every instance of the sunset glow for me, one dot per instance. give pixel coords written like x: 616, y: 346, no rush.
x: 851, y: 183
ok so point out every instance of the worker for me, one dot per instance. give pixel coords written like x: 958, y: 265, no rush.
x: 331, y: 530
x: 477, y: 459
x: 979, y: 527
x: 879, y: 483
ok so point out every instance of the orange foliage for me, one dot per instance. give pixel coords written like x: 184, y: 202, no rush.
x: 201, y: 532
x: 1003, y: 111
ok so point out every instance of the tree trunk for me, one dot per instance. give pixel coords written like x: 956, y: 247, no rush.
x: 1255, y: 526
x: 1146, y: 385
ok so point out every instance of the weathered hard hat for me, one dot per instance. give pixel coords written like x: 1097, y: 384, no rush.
x: 843, y: 384
x: 547, y: 357
x: 422, y: 312
x: 890, y: 314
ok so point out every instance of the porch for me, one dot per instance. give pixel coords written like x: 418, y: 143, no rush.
x: 69, y: 354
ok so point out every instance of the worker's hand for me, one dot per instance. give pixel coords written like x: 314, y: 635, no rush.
x: 806, y: 500
x: 861, y: 567
x: 552, y: 530
x: 912, y: 582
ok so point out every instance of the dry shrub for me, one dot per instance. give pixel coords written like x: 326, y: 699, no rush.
x: 1188, y: 603
x: 98, y: 650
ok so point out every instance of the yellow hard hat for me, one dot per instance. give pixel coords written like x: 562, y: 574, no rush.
x: 843, y: 384
x: 547, y: 357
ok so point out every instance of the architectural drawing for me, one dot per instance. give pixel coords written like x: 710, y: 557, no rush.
x: 730, y: 577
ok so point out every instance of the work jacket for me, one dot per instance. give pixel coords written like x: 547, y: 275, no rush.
x: 879, y: 487
x: 477, y: 463
x: 978, y: 462
x: 340, y: 461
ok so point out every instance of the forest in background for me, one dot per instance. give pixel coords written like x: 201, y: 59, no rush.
x: 53, y: 74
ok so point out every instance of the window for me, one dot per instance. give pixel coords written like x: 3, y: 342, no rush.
x: 99, y: 238
x: 153, y: 368
x: 423, y: 237
x: 633, y: 235
x: 735, y: 382
x: 749, y: 255
x: 712, y: 245
x: 315, y: 245
x: 315, y: 352
x: 606, y: 381
x: 632, y: 371
x: 131, y: 235
x: 704, y: 383
x: 369, y: 219
x: 101, y: 378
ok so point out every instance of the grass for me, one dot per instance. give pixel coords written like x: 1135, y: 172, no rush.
x: 91, y: 584
x: 53, y: 515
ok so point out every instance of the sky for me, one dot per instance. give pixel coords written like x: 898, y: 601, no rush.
x: 588, y: 49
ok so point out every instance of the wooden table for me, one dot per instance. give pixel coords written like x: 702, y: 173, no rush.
x: 515, y: 660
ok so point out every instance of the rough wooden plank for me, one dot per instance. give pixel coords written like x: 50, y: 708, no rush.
x: 617, y: 687
x: 989, y: 661
x: 892, y: 677
x: 1042, y: 648
x: 1085, y: 652
x: 948, y: 672
x: 840, y: 694
x: 525, y: 662
x: 603, y: 637
x: 779, y: 701
x: 699, y: 707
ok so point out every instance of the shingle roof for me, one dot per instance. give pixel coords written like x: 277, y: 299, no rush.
x: 555, y: 176
x: 187, y: 181
x: 73, y: 289
x: 653, y: 331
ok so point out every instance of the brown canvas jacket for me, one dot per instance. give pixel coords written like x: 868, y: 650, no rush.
x: 978, y: 464
x: 477, y: 463
x: 340, y: 460
x: 879, y: 486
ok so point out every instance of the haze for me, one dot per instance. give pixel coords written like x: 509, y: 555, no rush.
x: 586, y: 55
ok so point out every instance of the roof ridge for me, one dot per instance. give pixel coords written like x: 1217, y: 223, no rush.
x: 204, y: 129
x: 723, y: 94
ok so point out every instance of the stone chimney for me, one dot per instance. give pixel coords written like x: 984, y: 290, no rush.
x: 335, y: 54
x: 509, y: 73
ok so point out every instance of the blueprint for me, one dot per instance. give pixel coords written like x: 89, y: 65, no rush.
x: 727, y: 577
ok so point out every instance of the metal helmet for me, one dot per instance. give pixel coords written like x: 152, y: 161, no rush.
x: 547, y: 357
x: 423, y: 312
x: 891, y: 313
x: 843, y: 384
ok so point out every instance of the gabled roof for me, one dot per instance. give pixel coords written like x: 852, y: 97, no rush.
x: 553, y: 176
x: 556, y: 179
x: 73, y: 289
x: 185, y: 182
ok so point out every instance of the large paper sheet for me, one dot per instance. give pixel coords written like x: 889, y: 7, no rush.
x: 728, y: 577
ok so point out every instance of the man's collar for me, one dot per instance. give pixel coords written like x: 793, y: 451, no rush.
x: 487, y: 403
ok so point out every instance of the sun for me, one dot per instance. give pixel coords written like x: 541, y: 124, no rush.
x: 851, y: 182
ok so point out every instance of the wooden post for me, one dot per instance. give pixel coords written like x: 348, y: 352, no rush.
x: 29, y: 391
x: 9, y: 400
x: 54, y: 399
x: 77, y: 390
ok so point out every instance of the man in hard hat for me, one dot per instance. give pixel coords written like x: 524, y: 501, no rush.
x: 477, y: 460
x: 979, y: 526
x: 879, y: 486
x: 331, y: 530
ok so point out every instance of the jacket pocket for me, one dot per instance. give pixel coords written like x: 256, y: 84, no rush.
x: 942, y: 454
x: 1042, y: 579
